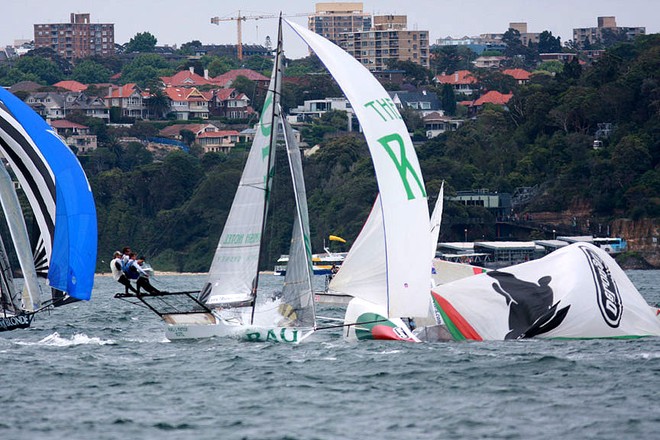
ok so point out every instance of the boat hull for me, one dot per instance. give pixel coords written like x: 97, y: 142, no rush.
x: 8, y: 323
x: 227, y: 329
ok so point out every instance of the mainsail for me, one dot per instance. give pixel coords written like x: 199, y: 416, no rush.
x: 575, y: 292
x: 297, y: 307
x: 12, y: 209
x: 59, y: 195
x: 405, y: 214
x: 233, y: 274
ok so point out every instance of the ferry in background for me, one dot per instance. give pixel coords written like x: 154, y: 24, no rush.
x: 321, y: 263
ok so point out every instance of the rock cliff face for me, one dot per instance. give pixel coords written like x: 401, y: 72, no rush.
x: 642, y: 237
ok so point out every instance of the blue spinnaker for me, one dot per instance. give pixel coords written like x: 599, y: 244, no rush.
x: 70, y: 238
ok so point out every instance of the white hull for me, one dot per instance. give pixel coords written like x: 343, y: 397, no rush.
x: 249, y: 333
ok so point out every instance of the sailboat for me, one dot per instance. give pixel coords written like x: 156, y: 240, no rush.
x: 228, y: 303
x: 61, y: 202
x: 388, y: 267
x: 576, y: 292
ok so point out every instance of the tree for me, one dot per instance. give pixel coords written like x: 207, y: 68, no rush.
x: 190, y: 47
x: 146, y: 70
x: 414, y: 73
x: 44, y: 69
x: 449, y: 59
x: 158, y: 104
x: 548, y: 43
x: 219, y: 65
x: 88, y: 71
x: 448, y: 99
x: 141, y: 42
x: 187, y: 136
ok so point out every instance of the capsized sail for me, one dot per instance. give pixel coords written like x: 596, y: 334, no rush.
x: 578, y: 291
x: 404, y: 206
x: 59, y: 194
x: 297, y: 302
x: 233, y: 274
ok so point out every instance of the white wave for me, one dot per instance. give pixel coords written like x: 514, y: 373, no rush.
x: 55, y: 340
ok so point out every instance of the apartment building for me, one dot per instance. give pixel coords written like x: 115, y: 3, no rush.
x: 595, y: 34
x: 333, y: 19
x: 388, y: 40
x: 77, y: 39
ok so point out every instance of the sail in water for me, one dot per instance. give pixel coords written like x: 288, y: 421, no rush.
x: 59, y: 195
x: 578, y: 291
x: 404, y: 236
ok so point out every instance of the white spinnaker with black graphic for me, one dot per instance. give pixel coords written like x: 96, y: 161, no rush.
x: 405, y: 212
x: 11, y: 207
x: 578, y: 291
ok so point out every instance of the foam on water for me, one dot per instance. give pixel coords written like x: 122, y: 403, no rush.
x: 56, y: 340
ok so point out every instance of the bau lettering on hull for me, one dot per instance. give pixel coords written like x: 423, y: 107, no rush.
x: 273, y: 335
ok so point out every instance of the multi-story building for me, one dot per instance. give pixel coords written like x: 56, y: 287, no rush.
x: 77, y: 39
x: 333, y: 19
x: 595, y: 34
x: 388, y: 40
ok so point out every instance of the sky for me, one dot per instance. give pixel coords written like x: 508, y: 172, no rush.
x: 174, y: 22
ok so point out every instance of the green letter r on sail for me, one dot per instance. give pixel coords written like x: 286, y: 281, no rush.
x: 404, y: 166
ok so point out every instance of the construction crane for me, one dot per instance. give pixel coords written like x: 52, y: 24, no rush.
x: 241, y: 18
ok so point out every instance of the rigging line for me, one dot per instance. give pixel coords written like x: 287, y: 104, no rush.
x: 350, y: 325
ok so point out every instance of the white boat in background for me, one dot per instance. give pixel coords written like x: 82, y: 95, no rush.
x: 322, y: 264
x: 387, y: 269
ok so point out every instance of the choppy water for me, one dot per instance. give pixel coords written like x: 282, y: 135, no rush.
x: 103, y: 370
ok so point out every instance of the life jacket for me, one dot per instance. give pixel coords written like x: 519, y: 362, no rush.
x: 130, y: 271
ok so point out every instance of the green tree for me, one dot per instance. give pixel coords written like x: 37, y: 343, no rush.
x: 146, y: 70
x: 548, y: 43
x: 190, y: 47
x: 43, y: 68
x: 448, y: 99
x: 88, y: 71
x: 158, y: 104
x: 142, y: 42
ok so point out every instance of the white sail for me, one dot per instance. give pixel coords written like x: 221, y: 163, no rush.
x: 362, y: 274
x: 403, y: 196
x: 18, y: 231
x: 233, y: 274
x: 575, y: 292
x: 297, y: 307
x: 436, y: 220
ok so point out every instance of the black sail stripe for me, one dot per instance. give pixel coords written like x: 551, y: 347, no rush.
x: 21, y: 163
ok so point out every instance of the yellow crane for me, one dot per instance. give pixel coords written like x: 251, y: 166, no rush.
x: 241, y: 18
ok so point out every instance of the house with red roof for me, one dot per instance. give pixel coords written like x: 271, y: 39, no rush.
x: 462, y: 81
x: 174, y: 131
x: 520, y: 75
x: 129, y: 98
x: 231, y: 104
x: 492, y: 97
x: 188, y: 103
x: 226, y: 79
x: 71, y: 85
x: 220, y: 141
x: 77, y: 136
x: 186, y: 78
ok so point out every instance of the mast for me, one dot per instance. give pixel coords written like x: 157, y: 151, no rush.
x: 273, y: 145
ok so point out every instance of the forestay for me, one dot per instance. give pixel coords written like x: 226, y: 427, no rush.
x: 297, y: 307
x: 404, y: 203
x: 575, y: 292
x: 234, y: 270
x: 59, y: 194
